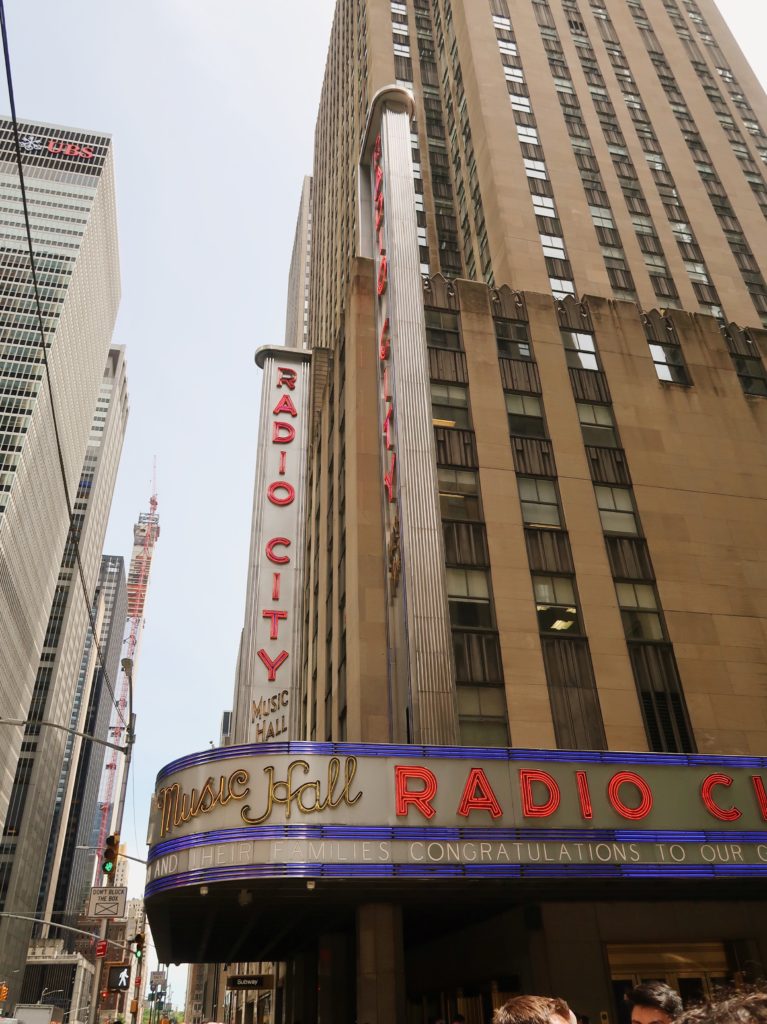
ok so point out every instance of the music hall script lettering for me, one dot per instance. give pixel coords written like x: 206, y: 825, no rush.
x: 177, y: 807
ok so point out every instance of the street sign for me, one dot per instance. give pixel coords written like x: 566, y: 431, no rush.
x: 101, y: 947
x: 118, y: 977
x: 157, y: 979
x: 108, y: 901
x: 240, y: 981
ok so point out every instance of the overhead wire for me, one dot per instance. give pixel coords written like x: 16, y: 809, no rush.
x: 73, y: 533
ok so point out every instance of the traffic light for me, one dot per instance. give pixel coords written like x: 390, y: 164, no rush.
x: 138, y: 939
x: 109, y: 861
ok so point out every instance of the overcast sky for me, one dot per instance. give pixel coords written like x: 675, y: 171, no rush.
x: 212, y: 109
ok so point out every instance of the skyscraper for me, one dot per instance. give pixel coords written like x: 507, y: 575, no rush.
x: 531, y: 701
x: 43, y: 613
x: 70, y: 864
x: 297, y: 318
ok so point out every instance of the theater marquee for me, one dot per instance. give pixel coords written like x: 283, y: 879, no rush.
x: 351, y: 810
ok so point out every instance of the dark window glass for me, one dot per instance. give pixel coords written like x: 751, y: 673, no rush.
x: 597, y: 425
x: 513, y: 339
x: 540, y: 506
x: 753, y: 377
x: 616, y: 509
x: 458, y: 494
x: 469, y: 598
x: 525, y: 415
x: 442, y: 329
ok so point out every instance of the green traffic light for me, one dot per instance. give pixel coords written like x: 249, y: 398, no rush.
x: 109, y: 867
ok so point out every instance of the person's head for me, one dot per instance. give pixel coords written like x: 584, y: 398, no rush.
x: 534, y: 1010
x: 458, y: 1018
x: 746, y: 1007
x: 654, y: 1003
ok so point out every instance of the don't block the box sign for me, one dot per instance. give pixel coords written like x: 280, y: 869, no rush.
x: 352, y: 809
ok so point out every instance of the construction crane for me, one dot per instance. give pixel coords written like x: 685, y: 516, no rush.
x: 145, y: 534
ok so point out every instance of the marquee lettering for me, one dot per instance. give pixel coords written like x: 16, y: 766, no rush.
x: 478, y: 795
x: 645, y: 794
x: 282, y: 432
x: 285, y: 404
x: 276, y: 617
x: 177, y: 807
x: 277, y: 542
x: 389, y: 478
x: 722, y: 813
x: 273, y: 665
x: 287, y: 376
x: 584, y: 796
x: 287, y: 497
x: 383, y: 274
x: 531, y: 809
x: 307, y: 797
x: 420, y: 798
x: 761, y: 795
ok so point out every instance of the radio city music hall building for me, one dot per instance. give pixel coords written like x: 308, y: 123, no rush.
x: 500, y: 721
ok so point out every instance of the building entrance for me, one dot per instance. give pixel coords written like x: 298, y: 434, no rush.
x: 695, y: 970
x: 476, y: 1003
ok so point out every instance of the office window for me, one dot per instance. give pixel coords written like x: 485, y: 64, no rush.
x: 561, y: 287
x: 442, y: 329
x: 527, y: 134
x: 753, y: 377
x: 555, y: 604
x: 544, y: 206
x: 597, y: 425
x: 535, y: 169
x: 669, y: 363
x: 540, y: 506
x: 482, y: 716
x: 639, y: 611
x: 580, y: 350
x: 450, y: 406
x: 468, y: 596
x: 616, y: 509
x: 553, y: 246
x: 513, y: 339
x: 458, y: 494
x: 477, y: 658
x: 525, y: 415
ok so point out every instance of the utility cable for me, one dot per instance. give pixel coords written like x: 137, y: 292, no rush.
x: 73, y: 535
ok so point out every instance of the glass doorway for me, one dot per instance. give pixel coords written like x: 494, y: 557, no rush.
x: 695, y: 970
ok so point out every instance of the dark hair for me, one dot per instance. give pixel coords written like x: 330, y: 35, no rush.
x: 531, y: 1010
x: 657, y: 994
x: 745, y: 1007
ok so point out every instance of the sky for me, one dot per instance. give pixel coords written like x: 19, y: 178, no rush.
x: 212, y: 108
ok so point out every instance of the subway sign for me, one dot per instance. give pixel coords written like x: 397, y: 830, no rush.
x: 346, y: 810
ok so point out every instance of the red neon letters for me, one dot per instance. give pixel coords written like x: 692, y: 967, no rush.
x: 421, y: 798
x: 722, y: 813
x: 531, y: 809
x: 645, y: 794
x: 282, y: 494
x: 478, y: 795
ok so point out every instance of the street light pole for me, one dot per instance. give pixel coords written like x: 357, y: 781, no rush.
x: 124, y: 749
